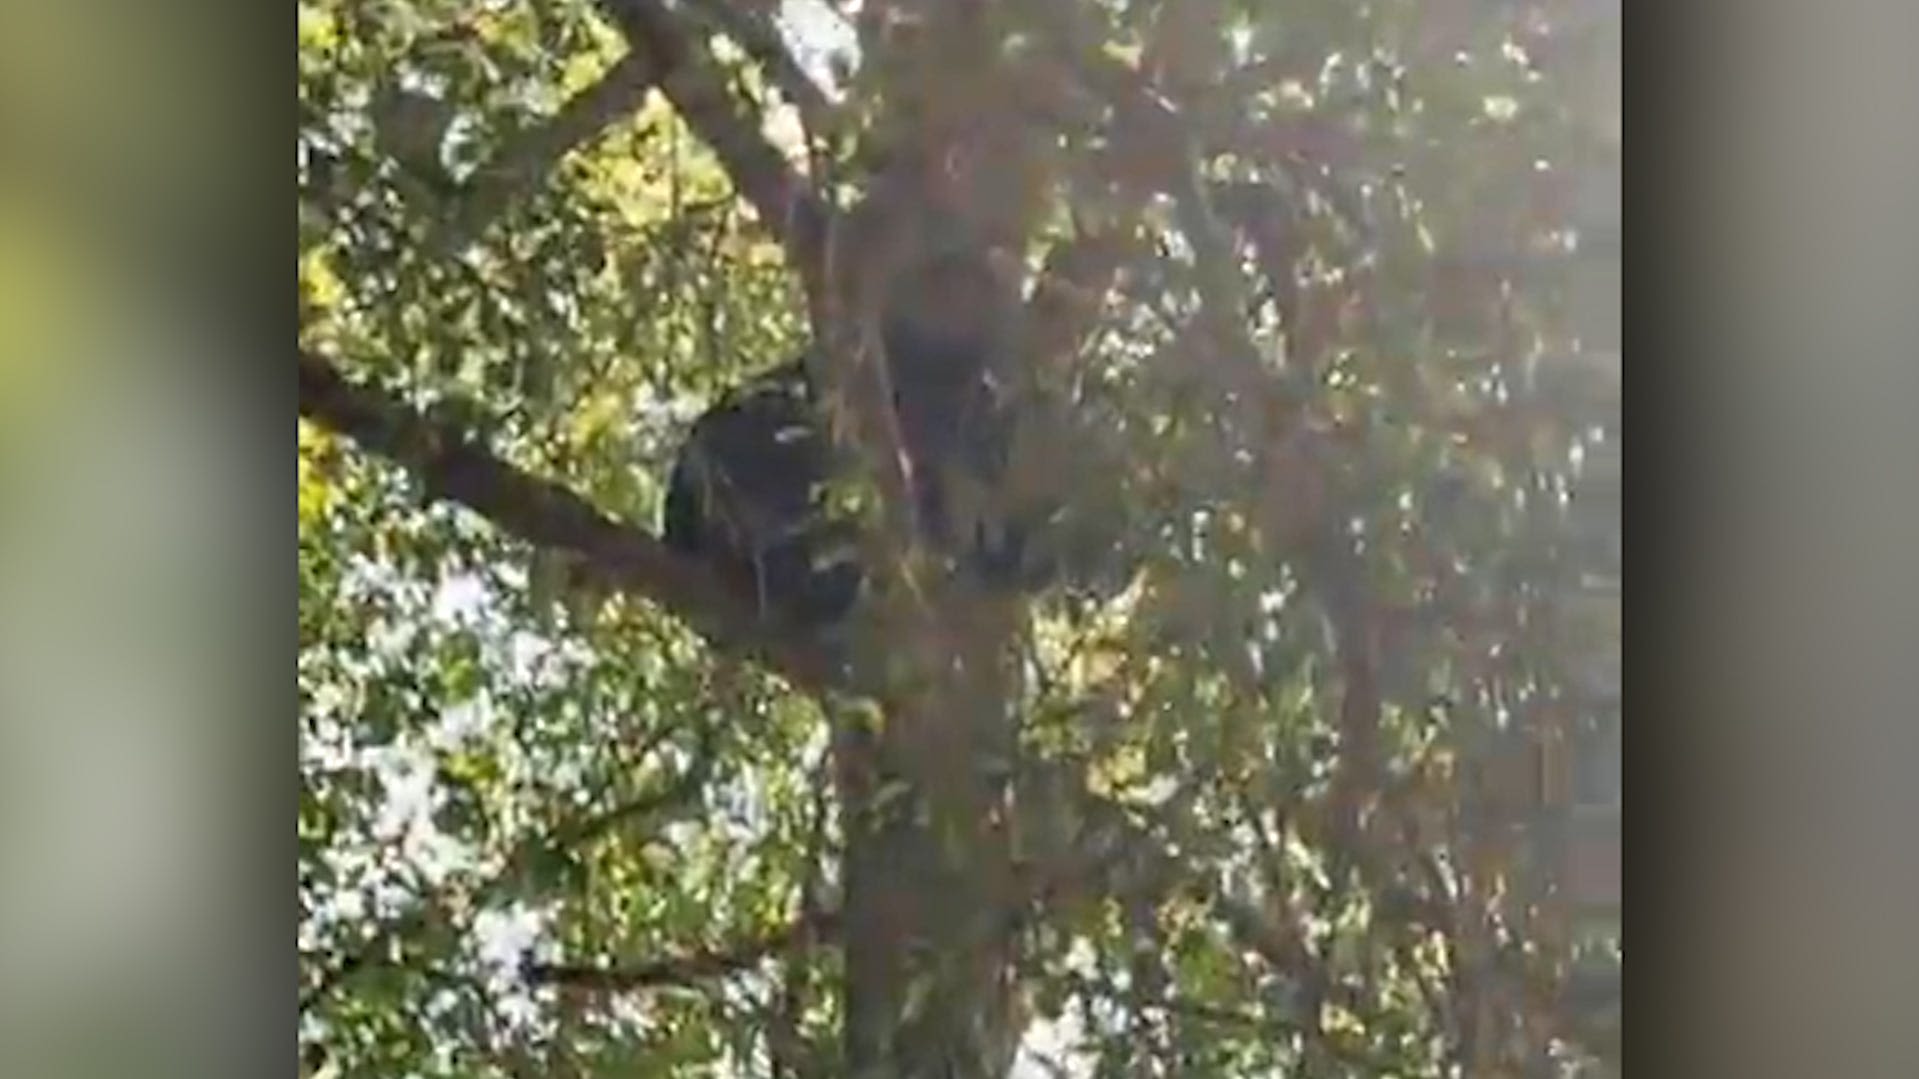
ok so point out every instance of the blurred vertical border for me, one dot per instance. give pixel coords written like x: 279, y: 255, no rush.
x: 147, y: 792
x: 1774, y: 626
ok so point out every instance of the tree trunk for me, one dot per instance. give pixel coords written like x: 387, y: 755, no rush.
x: 928, y: 869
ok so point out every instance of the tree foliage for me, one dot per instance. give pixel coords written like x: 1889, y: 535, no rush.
x: 1325, y: 289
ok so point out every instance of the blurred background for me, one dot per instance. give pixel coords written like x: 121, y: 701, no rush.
x: 139, y: 546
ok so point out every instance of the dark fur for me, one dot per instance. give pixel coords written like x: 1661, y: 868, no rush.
x: 745, y: 492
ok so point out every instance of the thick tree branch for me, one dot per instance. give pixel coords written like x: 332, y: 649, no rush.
x: 451, y: 467
x: 696, y: 86
x: 524, y: 162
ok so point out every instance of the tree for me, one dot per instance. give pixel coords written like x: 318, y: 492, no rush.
x: 1313, y: 281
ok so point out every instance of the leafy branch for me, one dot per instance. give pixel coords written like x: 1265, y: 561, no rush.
x: 695, y: 84
x: 451, y: 465
x: 526, y: 160
x: 380, y: 945
x: 687, y: 969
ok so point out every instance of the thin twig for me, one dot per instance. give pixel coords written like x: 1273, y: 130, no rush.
x: 371, y: 951
x: 688, y: 969
x: 761, y: 40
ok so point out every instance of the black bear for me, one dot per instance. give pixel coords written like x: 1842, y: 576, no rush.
x: 745, y: 491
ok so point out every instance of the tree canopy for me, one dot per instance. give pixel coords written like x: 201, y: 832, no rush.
x: 1329, y: 292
